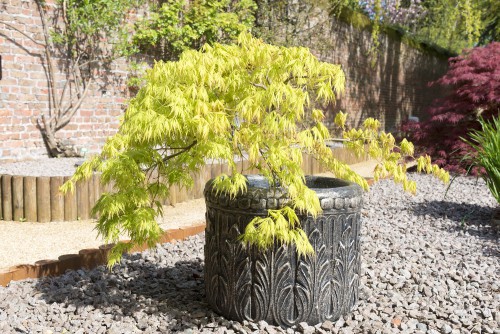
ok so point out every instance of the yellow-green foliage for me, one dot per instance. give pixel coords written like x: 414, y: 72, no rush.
x: 224, y: 103
x: 382, y: 147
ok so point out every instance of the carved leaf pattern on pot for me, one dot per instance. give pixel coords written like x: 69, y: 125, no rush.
x: 322, y: 270
x: 215, y: 264
x: 346, y: 266
x: 354, y: 263
x: 303, y: 287
x: 240, y: 271
x: 339, y: 266
x: 286, y: 311
x: 261, y: 284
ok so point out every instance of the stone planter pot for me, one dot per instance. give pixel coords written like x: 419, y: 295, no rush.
x: 243, y: 283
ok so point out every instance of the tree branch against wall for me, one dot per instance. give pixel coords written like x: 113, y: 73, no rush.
x: 80, y: 40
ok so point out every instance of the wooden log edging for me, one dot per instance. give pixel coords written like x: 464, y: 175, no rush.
x: 86, y: 258
x: 38, y: 199
x: 6, y: 197
x: 29, y: 195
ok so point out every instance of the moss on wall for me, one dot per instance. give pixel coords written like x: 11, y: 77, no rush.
x: 361, y: 21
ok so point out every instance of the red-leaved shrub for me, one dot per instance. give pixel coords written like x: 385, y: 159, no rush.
x: 474, y: 82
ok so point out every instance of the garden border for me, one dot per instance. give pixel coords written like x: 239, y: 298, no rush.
x: 86, y: 258
x: 38, y: 199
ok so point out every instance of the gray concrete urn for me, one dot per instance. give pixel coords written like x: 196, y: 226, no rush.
x: 244, y: 283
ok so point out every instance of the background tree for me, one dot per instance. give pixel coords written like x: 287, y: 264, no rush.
x: 474, y: 80
x: 179, y: 25
x: 452, y: 24
x: 491, y: 21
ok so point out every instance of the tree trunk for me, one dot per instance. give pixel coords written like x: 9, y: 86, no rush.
x: 56, y: 147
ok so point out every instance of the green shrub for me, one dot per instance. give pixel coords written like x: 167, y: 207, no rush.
x: 179, y: 25
x: 486, y: 142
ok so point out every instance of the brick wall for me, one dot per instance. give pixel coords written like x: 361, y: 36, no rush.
x: 24, y: 90
x: 393, y: 89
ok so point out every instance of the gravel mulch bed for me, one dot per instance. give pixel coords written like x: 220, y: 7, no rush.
x: 430, y: 265
x: 41, y: 167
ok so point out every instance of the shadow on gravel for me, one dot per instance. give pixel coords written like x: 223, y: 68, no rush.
x: 473, y: 219
x: 138, y: 289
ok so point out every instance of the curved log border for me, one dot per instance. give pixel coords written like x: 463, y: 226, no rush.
x: 86, y: 258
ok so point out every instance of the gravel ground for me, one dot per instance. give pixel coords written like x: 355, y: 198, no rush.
x: 41, y: 167
x: 430, y: 265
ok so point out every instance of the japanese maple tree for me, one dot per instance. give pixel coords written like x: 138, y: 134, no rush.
x: 249, y: 100
x: 474, y: 82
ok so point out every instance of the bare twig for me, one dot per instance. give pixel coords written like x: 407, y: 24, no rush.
x: 22, y: 33
x: 50, y: 64
x: 259, y: 85
x: 64, y: 12
x: 183, y: 150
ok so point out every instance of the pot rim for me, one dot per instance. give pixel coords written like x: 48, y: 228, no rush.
x: 324, y: 186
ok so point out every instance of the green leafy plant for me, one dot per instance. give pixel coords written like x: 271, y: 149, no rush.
x: 178, y: 25
x: 486, y: 143
x: 249, y: 100
x: 136, y: 71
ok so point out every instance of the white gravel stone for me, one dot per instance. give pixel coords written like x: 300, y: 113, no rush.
x: 446, y: 328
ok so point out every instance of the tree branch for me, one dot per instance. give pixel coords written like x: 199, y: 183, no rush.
x: 293, y: 77
x: 76, y: 80
x: 184, y: 150
x: 259, y: 85
x: 22, y: 33
x: 71, y: 110
x: 50, y: 64
x: 338, y: 139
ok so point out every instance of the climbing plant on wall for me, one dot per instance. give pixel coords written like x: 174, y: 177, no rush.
x: 80, y: 38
